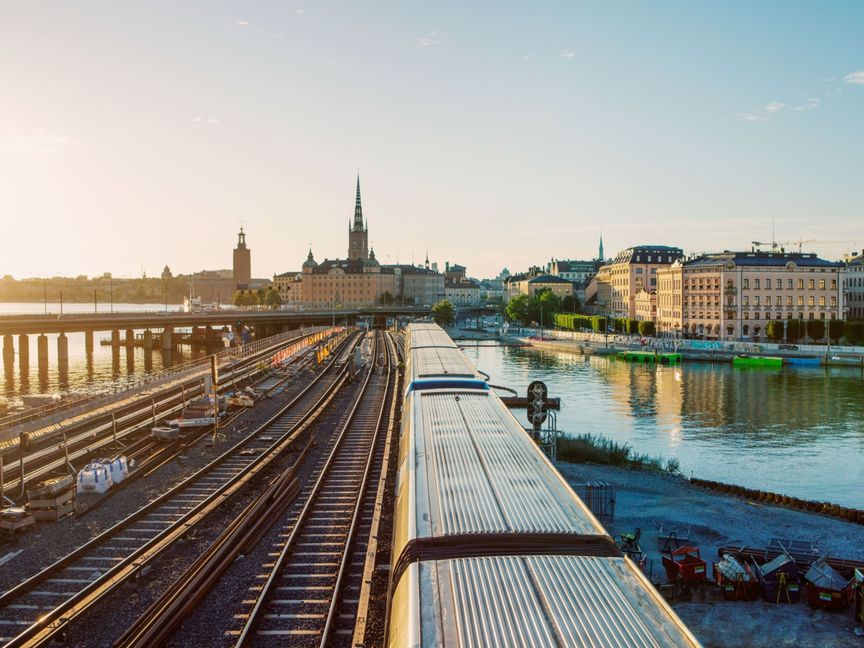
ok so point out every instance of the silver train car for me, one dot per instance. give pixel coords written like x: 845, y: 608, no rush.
x: 491, y: 546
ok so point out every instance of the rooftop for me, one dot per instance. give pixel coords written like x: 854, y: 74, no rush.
x: 763, y: 259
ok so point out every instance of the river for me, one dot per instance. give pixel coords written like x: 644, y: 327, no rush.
x: 85, y: 371
x: 795, y: 431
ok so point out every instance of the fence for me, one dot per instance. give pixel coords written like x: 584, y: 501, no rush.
x: 66, y: 408
x: 667, y: 344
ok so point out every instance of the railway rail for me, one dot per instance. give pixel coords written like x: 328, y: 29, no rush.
x: 311, y: 590
x: 106, y: 432
x: 43, y: 605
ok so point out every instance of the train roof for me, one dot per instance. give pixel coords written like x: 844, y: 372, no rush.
x: 484, y: 474
x: 431, y: 337
x: 543, y: 601
x: 428, y: 362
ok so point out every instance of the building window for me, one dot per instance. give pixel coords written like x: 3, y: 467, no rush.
x: 767, y: 284
x: 833, y: 284
x: 811, y: 301
x: 767, y: 300
x: 788, y: 300
x: 834, y: 301
x: 756, y: 283
x: 789, y: 284
x: 756, y: 298
x: 746, y: 283
x: 821, y: 284
x: 800, y: 284
x: 811, y: 284
x: 800, y: 300
x: 822, y: 302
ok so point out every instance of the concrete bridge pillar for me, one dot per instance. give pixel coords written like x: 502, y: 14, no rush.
x: 62, y: 349
x: 8, y: 350
x: 88, y: 342
x: 148, y: 340
x: 166, y: 338
x: 115, y: 339
x: 42, y: 348
x: 130, y: 338
x: 24, y: 351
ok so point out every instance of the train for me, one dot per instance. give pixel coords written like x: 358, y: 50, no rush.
x: 491, y: 546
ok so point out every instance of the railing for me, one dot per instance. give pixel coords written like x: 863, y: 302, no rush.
x: 67, y: 407
x: 669, y: 344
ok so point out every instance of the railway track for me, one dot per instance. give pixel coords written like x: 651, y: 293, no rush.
x: 40, y: 607
x: 103, y: 433
x: 310, y: 592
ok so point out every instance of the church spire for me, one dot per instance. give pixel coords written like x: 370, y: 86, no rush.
x: 358, y: 209
x: 601, y: 257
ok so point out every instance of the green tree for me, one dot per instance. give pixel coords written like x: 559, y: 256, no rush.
x: 569, y: 304
x: 387, y: 297
x: 794, y: 330
x: 546, y: 304
x: 854, y: 332
x: 272, y: 298
x: 646, y: 328
x: 632, y: 326
x: 517, y: 309
x: 835, y: 330
x: 442, y: 312
x: 815, y: 329
x: 774, y: 330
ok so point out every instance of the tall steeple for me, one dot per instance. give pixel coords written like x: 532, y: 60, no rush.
x: 358, y: 210
x: 601, y: 257
x: 358, y: 234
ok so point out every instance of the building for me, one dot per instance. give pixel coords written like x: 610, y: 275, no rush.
x: 531, y: 283
x: 670, y: 316
x: 360, y: 280
x: 854, y: 287
x: 646, y: 305
x: 576, y: 271
x: 465, y: 292
x: 289, y: 285
x: 418, y: 286
x: 242, y: 273
x: 731, y: 295
x: 358, y: 232
x: 598, y: 292
x: 454, y: 272
x: 635, y: 269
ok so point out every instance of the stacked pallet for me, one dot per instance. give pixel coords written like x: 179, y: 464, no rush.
x: 53, y: 498
x: 15, y: 518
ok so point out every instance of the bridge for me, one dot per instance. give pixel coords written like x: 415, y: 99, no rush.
x: 261, y: 323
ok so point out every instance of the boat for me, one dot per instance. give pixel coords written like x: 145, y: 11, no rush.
x: 650, y: 356
x: 803, y: 361
x: 745, y: 360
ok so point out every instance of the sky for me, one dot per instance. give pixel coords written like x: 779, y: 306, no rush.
x: 139, y: 134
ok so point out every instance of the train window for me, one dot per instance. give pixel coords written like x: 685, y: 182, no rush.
x: 444, y: 383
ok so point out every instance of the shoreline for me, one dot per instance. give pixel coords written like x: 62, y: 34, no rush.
x: 649, y: 501
x: 689, y: 355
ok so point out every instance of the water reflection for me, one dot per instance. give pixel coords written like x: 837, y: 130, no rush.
x: 797, y: 431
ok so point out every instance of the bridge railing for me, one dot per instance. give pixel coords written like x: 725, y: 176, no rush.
x: 65, y: 408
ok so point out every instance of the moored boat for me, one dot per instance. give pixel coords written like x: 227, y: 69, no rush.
x: 745, y: 360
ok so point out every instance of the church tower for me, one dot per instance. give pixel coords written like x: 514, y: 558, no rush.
x: 242, y: 263
x: 358, y: 233
x: 601, y: 257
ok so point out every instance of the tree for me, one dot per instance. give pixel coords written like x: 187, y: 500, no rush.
x: 632, y: 326
x: 835, y: 330
x: 272, y: 298
x: 517, y: 309
x: 245, y: 298
x: 569, y: 304
x: 793, y: 330
x: 387, y: 297
x: 774, y: 330
x: 854, y: 332
x: 442, y: 312
x: 815, y: 329
x: 646, y: 328
x: 546, y: 304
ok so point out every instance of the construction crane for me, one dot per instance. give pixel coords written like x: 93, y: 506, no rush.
x: 775, y: 244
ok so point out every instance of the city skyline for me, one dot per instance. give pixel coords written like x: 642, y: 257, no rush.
x: 490, y: 136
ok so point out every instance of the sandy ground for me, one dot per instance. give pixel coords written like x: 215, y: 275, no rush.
x: 649, y: 500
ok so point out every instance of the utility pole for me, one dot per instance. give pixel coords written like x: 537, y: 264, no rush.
x: 95, y: 303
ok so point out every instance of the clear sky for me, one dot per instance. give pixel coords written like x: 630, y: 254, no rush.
x: 139, y: 134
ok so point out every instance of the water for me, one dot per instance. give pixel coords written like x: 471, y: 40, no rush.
x: 795, y: 431
x: 85, y: 371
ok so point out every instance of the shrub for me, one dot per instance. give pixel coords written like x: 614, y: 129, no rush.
x: 774, y: 330
x: 594, y: 448
x: 815, y: 329
x: 854, y: 332
x: 646, y: 328
x: 632, y: 326
x: 835, y: 330
x: 793, y: 331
